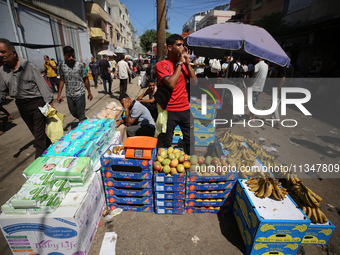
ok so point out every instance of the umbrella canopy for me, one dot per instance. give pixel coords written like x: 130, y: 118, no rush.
x: 221, y: 39
x: 107, y: 53
x: 129, y: 57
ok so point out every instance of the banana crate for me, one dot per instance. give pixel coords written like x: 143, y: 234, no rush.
x: 132, y: 208
x: 261, y: 248
x: 170, y: 195
x: 196, y: 110
x: 177, y: 135
x: 204, y: 126
x: 268, y: 220
x: 204, y: 139
x: 318, y: 233
x: 127, y: 172
x: 133, y: 192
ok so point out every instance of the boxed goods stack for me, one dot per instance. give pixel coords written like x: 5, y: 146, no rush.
x: 89, y: 139
x: 169, y: 180
x: 48, y: 216
x: 268, y: 219
x: 209, y: 185
x: 128, y: 178
x: 204, y: 129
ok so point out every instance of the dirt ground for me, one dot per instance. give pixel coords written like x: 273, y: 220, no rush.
x: 315, y: 140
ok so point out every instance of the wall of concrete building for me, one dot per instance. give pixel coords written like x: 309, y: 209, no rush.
x: 265, y: 8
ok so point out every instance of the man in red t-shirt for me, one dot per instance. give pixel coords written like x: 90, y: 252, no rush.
x: 173, y: 72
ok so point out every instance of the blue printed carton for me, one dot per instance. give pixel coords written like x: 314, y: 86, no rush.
x: 210, y: 201
x: 162, y: 178
x: 268, y: 220
x: 204, y: 126
x: 170, y: 195
x: 196, y: 110
x: 177, y: 135
x: 260, y: 248
x: 136, y: 192
x: 169, y: 203
x: 169, y: 210
x: 127, y: 172
x: 204, y: 139
x: 225, y: 209
x: 113, y: 182
x: 110, y: 159
x: 133, y: 208
x: 129, y: 200
x: 206, y: 177
x: 223, y: 185
x: 165, y: 187
x: 212, y: 194
x: 318, y: 233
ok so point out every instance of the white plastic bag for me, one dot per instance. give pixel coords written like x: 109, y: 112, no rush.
x: 215, y: 65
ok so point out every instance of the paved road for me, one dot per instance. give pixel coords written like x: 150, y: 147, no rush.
x: 312, y: 141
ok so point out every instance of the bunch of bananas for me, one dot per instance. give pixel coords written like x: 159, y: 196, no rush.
x: 289, y: 177
x: 315, y: 214
x: 259, y: 151
x: 115, y: 150
x: 266, y: 187
x: 306, y: 195
x: 228, y: 135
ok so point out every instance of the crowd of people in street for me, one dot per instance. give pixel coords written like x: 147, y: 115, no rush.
x: 169, y: 79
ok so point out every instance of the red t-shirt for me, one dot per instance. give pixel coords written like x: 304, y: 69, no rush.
x: 179, y: 97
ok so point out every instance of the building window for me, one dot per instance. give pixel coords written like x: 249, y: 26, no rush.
x: 109, y: 10
x: 258, y: 3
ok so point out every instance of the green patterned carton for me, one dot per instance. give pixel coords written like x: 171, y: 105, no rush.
x: 49, y: 205
x: 69, y: 168
x: 61, y: 186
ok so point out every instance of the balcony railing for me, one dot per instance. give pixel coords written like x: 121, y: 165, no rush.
x: 97, y: 33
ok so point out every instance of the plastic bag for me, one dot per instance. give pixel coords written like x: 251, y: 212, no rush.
x: 215, y: 65
x: 55, y: 123
x: 161, y: 120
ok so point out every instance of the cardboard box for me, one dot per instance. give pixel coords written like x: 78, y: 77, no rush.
x: 268, y: 220
x: 260, y: 248
x: 136, y: 192
x: 318, y: 233
x: 224, y: 209
x: 129, y: 200
x: 170, y: 195
x: 165, y: 187
x: 162, y: 178
x: 177, y: 135
x: 169, y: 210
x: 108, y: 160
x: 114, y: 182
x: 204, y: 126
x: 196, y: 110
x: 208, y: 194
x: 133, y: 208
x: 229, y: 176
x: 169, y: 203
x: 199, y: 203
x: 192, y: 186
x: 68, y: 230
x: 204, y: 139
x: 127, y: 172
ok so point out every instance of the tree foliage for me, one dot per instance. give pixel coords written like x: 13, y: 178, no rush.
x: 149, y: 37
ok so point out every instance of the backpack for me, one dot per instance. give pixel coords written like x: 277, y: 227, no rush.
x: 215, y: 65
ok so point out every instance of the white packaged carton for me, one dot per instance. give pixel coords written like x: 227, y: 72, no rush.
x: 69, y: 230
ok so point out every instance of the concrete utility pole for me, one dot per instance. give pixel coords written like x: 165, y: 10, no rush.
x: 160, y: 29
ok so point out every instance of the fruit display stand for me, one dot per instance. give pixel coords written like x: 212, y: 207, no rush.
x: 268, y: 225
x: 128, y: 182
x: 169, y: 180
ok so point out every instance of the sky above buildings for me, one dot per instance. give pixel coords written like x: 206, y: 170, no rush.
x: 143, y: 13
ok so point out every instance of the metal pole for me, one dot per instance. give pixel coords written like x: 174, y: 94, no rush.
x: 160, y: 29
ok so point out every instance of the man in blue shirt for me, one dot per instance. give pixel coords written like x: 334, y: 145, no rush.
x: 137, y: 118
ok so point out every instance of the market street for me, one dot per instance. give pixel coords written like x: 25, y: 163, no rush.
x: 313, y: 141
